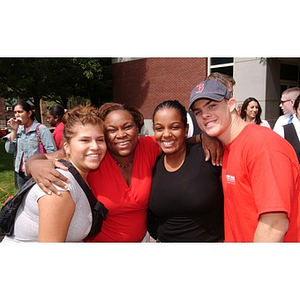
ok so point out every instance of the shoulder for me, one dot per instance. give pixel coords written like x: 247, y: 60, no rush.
x: 60, y: 127
x: 254, y: 136
x: 147, y: 148
x: 73, y: 186
x: 265, y: 123
x: 148, y: 142
x: 256, y: 132
x: 195, y: 154
x: 193, y: 148
x: 259, y: 139
x: 282, y: 120
x: 42, y: 127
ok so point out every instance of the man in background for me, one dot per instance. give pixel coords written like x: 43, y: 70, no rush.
x: 286, y: 104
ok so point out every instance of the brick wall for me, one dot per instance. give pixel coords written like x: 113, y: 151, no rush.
x: 147, y: 82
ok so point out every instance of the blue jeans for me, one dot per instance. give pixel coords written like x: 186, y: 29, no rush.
x: 21, y: 179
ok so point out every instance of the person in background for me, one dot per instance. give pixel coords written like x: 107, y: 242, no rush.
x: 23, y: 140
x: 292, y: 130
x: 251, y: 112
x: 54, y: 117
x: 123, y: 181
x: 186, y: 199
x: 52, y: 218
x: 260, y: 170
x: 287, y: 106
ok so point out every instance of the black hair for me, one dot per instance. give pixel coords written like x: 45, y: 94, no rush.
x: 57, y: 110
x: 244, y: 108
x: 27, y: 107
x: 175, y: 104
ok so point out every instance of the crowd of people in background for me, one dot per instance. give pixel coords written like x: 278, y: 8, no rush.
x: 213, y: 172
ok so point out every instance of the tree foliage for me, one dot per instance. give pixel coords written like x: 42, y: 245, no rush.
x: 56, y: 79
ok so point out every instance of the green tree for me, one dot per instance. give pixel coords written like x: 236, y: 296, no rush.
x: 95, y: 76
x: 56, y: 79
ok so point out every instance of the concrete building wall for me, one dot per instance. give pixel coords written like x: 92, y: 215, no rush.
x: 250, y: 75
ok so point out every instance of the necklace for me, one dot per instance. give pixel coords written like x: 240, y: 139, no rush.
x: 124, y: 166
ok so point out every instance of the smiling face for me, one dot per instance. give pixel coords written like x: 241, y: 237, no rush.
x: 86, y: 148
x: 214, y: 117
x: 251, y: 110
x: 169, y: 130
x: 121, y: 133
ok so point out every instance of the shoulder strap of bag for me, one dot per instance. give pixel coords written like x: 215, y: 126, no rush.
x: 18, y: 197
x: 38, y: 132
x: 41, y: 145
x: 97, y: 207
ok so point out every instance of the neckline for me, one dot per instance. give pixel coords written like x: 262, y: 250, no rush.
x: 126, y: 165
x: 171, y: 169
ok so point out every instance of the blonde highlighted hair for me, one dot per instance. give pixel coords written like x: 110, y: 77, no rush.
x: 80, y: 115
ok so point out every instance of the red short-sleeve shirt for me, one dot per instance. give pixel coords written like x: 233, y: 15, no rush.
x: 127, y: 205
x: 260, y: 174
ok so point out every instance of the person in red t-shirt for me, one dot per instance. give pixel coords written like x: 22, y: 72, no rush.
x: 54, y: 117
x: 260, y: 170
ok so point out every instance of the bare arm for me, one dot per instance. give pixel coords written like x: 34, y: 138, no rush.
x: 55, y: 215
x: 213, y: 149
x: 42, y: 168
x: 271, y: 227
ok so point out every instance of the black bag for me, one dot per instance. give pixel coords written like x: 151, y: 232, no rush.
x: 10, y: 208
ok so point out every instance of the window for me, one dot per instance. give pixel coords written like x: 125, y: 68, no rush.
x: 222, y: 65
x: 220, y: 60
x: 289, y: 77
x: 289, y: 72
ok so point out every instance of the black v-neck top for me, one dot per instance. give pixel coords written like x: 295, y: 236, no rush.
x: 188, y: 203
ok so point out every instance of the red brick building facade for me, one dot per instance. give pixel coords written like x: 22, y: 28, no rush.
x: 149, y: 81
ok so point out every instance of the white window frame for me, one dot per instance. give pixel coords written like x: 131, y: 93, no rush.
x: 211, y: 67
